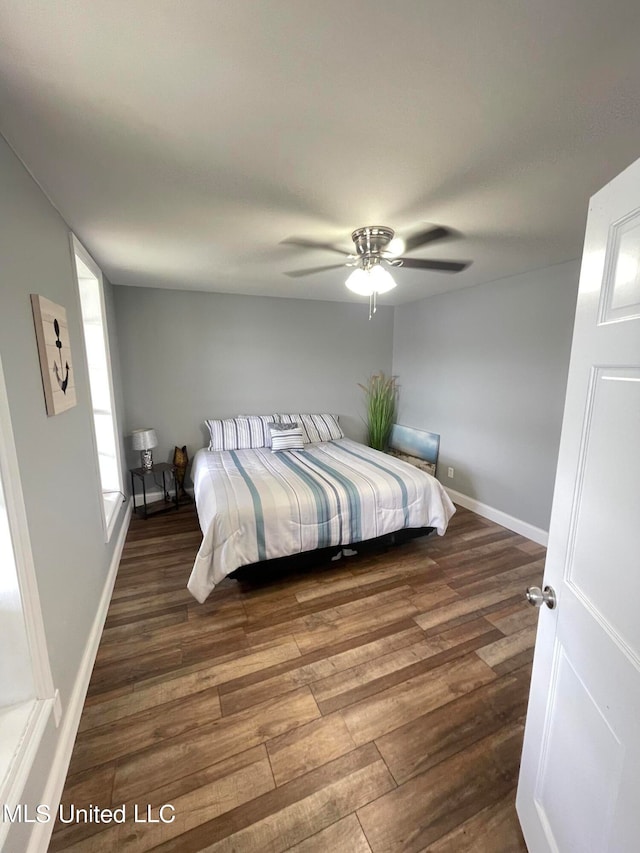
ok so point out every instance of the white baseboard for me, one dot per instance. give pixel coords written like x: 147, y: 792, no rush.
x: 536, y: 534
x: 55, y: 783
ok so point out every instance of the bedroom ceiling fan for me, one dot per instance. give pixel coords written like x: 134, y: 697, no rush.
x: 376, y: 250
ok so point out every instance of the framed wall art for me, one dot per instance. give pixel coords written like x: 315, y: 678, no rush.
x: 56, y: 365
x: 415, y: 442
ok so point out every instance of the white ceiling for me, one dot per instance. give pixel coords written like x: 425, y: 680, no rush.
x: 182, y: 141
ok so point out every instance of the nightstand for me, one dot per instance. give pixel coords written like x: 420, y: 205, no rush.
x: 168, y: 502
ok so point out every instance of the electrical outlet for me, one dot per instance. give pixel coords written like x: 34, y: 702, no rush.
x: 450, y: 473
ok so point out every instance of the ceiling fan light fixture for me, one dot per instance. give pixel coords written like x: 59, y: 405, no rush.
x: 359, y: 283
x: 381, y: 279
x: 366, y: 282
x: 376, y: 249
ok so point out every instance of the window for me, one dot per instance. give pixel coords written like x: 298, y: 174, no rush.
x: 96, y: 343
x: 27, y: 695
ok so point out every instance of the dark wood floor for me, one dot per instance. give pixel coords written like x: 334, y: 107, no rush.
x: 374, y: 704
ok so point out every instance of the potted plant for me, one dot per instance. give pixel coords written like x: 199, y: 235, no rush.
x: 382, y: 398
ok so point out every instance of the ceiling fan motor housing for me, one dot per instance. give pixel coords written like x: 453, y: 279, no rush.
x: 372, y: 240
x: 372, y: 250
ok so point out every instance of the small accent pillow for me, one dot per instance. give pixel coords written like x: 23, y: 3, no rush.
x: 323, y: 427
x: 286, y: 439
x: 276, y: 426
x: 241, y: 433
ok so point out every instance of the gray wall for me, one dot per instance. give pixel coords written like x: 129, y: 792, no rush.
x: 56, y: 456
x: 186, y: 356
x: 486, y: 367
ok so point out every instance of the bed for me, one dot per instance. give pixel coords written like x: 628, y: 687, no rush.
x: 255, y: 504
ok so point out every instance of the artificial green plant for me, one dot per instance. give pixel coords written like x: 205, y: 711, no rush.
x: 382, y: 397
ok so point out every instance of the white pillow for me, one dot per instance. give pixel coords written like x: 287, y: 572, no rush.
x: 241, y: 433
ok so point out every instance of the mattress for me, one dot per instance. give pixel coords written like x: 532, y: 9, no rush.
x: 256, y: 505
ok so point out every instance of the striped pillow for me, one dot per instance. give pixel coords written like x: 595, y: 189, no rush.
x: 278, y: 427
x: 239, y: 433
x: 316, y: 428
x: 295, y: 420
x: 326, y: 427
x: 286, y: 439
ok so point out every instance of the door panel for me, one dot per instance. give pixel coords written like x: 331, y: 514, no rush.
x: 603, y: 560
x: 579, y: 745
x: 580, y: 772
x: 621, y: 293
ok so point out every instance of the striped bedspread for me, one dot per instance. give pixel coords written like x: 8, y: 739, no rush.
x: 255, y: 505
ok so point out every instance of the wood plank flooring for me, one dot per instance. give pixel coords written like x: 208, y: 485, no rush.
x: 372, y: 704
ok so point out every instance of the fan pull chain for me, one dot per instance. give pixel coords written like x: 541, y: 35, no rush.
x: 373, y: 303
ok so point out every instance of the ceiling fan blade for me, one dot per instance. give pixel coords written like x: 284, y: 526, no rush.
x: 313, y: 244
x: 421, y: 238
x: 300, y: 273
x: 441, y: 266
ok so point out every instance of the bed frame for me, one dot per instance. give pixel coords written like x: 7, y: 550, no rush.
x: 255, y: 572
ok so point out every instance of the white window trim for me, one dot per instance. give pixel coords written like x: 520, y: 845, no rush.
x: 108, y: 508
x: 22, y: 726
x: 17, y: 513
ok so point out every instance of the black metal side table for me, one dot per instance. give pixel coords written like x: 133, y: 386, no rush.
x: 168, y: 502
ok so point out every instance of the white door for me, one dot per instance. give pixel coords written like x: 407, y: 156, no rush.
x: 579, y: 788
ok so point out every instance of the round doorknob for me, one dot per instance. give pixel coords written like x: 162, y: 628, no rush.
x: 537, y: 597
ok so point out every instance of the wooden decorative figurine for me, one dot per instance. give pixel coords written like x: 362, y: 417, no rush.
x: 180, y: 461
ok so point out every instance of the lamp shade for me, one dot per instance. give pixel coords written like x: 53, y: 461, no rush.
x: 359, y: 283
x: 365, y: 282
x: 143, y: 439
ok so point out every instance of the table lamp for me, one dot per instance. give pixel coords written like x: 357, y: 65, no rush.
x: 143, y: 440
